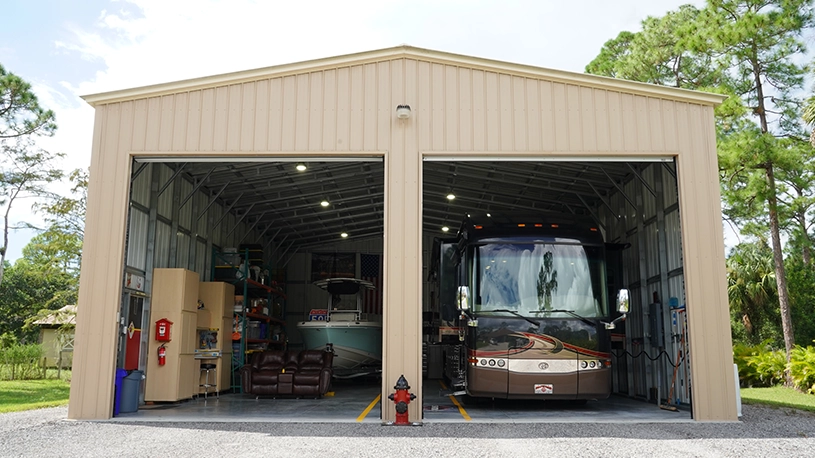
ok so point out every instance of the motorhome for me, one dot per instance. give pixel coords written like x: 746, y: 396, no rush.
x: 528, y: 301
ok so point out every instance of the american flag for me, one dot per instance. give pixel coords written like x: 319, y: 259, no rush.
x: 371, y: 270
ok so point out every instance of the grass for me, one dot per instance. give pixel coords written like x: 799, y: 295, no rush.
x: 779, y: 396
x: 19, y: 395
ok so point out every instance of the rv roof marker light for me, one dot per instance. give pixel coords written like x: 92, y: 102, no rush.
x: 324, y: 203
x: 555, y: 226
x: 594, y: 229
x: 300, y: 167
x: 344, y: 235
x: 479, y: 227
x: 451, y: 196
x: 445, y: 229
x: 522, y: 225
x: 538, y: 225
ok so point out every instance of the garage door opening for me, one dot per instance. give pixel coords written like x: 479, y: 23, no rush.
x: 244, y: 255
x: 542, y: 250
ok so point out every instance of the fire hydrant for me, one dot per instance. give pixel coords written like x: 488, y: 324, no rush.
x: 402, y: 398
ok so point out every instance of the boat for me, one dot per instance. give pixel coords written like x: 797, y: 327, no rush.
x: 355, y: 337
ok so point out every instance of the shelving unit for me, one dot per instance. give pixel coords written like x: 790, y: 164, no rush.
x: 254, y: 329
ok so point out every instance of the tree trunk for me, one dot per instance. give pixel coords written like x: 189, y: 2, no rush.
x: 780, y: 273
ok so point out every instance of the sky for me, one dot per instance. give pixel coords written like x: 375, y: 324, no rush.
x: 69, y: 48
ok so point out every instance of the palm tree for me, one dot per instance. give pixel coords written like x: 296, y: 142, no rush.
x: 751, y: 289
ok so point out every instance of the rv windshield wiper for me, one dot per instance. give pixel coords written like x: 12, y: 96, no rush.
x: 570, y: 312
x: 516, y: 314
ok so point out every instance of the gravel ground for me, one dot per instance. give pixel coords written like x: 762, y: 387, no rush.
x: 763, y: 432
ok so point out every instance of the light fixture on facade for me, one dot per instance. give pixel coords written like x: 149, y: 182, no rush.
x: 324, y: 203
x: 344, y: 235
x: 451, y: 196
x: 300, y: 167
x: 445, y: 229
x: 403, y: 111
x: 489, y: 216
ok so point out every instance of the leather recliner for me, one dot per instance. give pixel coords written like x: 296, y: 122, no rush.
x: 279, y: 372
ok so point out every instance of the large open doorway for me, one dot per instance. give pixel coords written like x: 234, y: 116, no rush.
x: 276, y: 234
x: 633, y: 206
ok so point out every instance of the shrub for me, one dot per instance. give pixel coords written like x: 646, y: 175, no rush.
x: 759, y: 365
x: 21, y: 362
x: 802, y: 368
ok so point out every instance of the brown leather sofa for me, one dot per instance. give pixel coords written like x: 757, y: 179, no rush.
x: 280, y: 372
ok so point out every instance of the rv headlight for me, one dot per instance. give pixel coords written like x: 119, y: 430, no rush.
x: 584, y: 364
x: 591, y: 364
x: 501, y: 363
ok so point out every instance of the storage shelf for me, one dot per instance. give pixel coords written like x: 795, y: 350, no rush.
x: 266, y: 288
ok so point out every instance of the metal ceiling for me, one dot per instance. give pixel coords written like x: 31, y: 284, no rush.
x: 284, y: 204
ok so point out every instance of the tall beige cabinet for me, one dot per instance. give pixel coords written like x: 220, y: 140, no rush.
x: 218, y: 299
x: 175, y: 297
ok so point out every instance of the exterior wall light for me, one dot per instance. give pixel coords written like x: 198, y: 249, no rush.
x: 301, y: 167
x: 451, y: 196
x: 344, y: 235
x: 445, y: 229
x: 324, y: 203
x: 403, y: 111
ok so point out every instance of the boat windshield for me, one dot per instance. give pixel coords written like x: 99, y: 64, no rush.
x: 542, y: 280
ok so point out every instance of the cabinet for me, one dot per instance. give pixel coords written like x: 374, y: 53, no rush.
x: 174, y: 296
x: 216, y: 301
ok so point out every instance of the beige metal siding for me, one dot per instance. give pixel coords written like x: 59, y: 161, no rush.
x: 350, y: 108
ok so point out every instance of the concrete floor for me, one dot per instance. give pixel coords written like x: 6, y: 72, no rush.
x: 358, y: 401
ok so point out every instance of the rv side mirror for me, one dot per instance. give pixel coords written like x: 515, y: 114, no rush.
x: 623, y: 301
x: 463, y: 298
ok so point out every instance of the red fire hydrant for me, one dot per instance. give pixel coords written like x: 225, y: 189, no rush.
x: 402, y: 398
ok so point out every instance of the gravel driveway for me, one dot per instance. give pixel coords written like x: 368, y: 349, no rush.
x: 763, y: 432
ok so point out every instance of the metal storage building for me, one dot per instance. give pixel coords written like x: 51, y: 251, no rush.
x: 561, y: 141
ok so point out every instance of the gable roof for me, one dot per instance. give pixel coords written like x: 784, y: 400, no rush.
x: 409, y: 52
x: 65, y: 315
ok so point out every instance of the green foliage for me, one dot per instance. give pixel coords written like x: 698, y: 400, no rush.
x: 742, y: 354
x: 759, y: 365
x: 801, y: 279
x: 751, y: 290
x: 802, y: 368
x: 25, y: 169
x: 762, y: 366
x: 30, y: 287
x: 21, y: 362
x: 20, y: 111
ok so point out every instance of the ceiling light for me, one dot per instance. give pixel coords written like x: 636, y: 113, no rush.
x: 451, y: 196
x: 324, y: 203
x: 301, y: 167
x: 344, y: 235
x: 445, y: 229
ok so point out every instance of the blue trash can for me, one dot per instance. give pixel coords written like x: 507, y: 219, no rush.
x: 117, y: 396
x: 131, y: 386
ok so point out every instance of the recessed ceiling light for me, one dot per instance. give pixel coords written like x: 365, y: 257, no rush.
x: 445, y: 229
x: 324, y: 203
x: 451, y: 196
x: 300, y: 167
x: 344, y: 235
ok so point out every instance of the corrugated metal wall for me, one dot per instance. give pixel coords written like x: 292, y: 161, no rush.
x: 462, y: 107
x: 139, y: 223
x: 653, y: 265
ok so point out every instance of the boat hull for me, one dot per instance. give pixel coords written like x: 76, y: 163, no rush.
x: 357, y: 345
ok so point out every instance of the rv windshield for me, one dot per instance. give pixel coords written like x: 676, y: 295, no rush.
x: 541, y: 280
